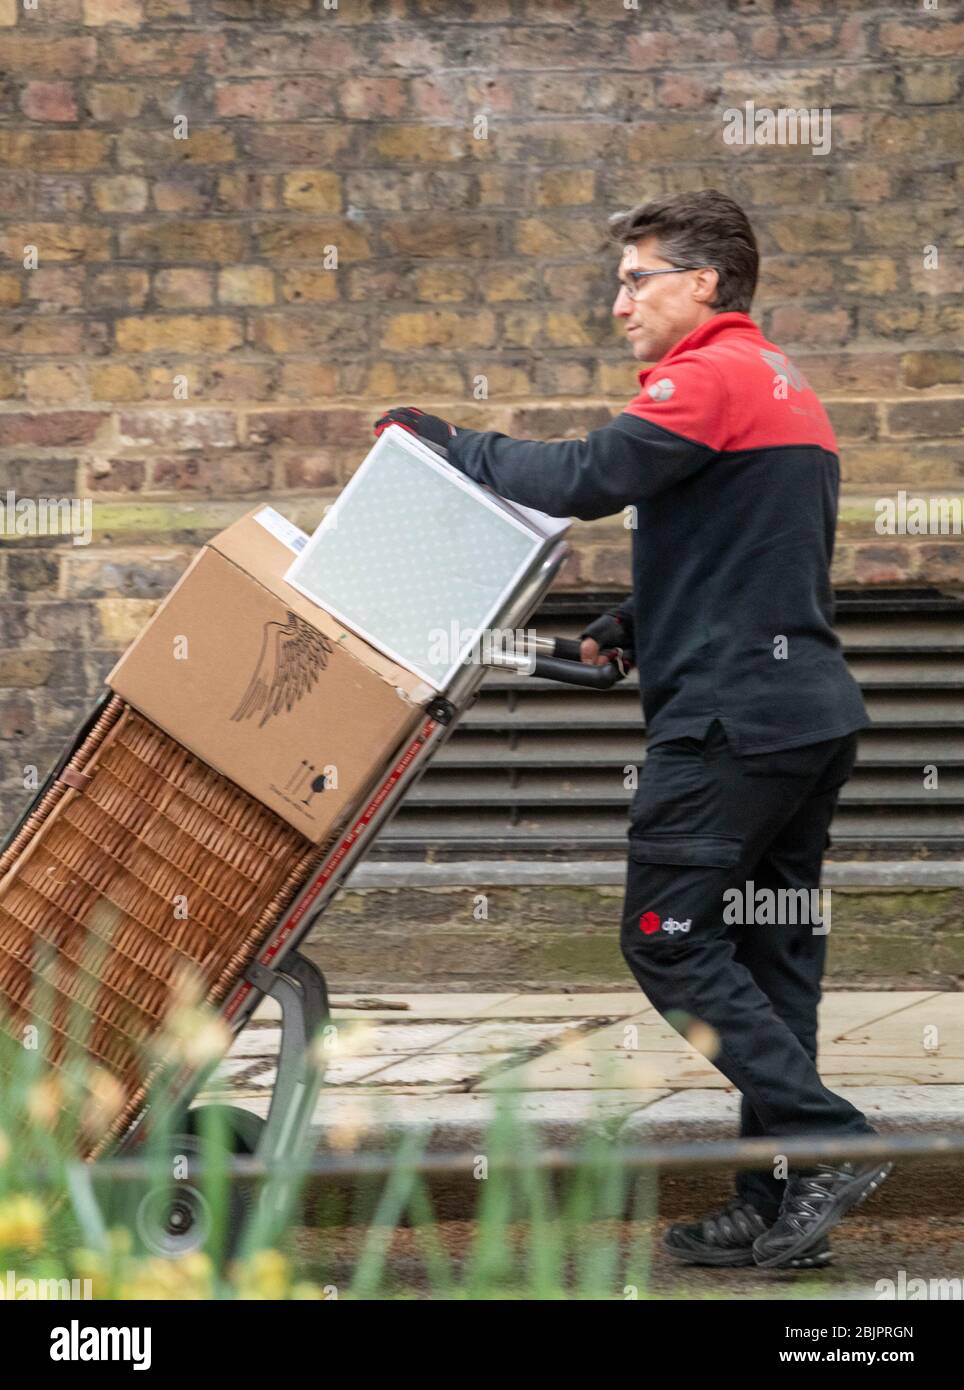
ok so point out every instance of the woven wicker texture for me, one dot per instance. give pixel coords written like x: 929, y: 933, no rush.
x: 109, y: 895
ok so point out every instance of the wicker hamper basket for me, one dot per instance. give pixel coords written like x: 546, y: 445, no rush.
x: 91, y: 948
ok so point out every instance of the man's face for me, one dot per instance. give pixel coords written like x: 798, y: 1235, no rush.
x: 668, y: 307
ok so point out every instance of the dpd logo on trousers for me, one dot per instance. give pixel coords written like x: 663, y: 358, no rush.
x: 649, y: 923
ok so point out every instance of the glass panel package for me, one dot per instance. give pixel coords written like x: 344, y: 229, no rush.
x: 416, y: 558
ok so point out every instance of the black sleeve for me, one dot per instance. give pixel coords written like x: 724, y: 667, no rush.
x: 616, y: 465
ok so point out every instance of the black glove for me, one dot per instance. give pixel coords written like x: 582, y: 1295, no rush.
x: 430, y: 427
x: 608, y: 631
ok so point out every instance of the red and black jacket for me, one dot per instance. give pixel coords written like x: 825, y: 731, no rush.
x: 730, y: 465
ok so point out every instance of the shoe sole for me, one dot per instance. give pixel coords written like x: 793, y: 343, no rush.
x: 851, y: 1197
x: 740, y: 1259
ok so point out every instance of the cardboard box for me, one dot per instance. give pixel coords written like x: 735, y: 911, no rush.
x: 267, y: 687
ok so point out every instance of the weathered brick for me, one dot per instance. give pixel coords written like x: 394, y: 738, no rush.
x: 182, y: 241
x: 122, y: 193
x: 115, y: 475
x: 100, y: 12
x: 437, y: 328
x: 314, y: 471
x: 292, y: 333
x: 930, y: 84
x: 372, y: 98
x: 39, y: 54
x: 54, y: 382
x: 313, y: 189
x: 44, y: 336
x: 271, y: 99
x: 53, y: 150
x: 315, y: 286
x: 183, y: 289
x: 10, y: 291
x: 230, y: 379
x: 55, y: 242
x: 26, y: 669
x: 308, y: 380
x: 33, y: 572
x: 932, y: 38
x: 122, y: 571
x: 49, y: 101
x: 153, y: 149
x: 307, y: 427
x: 246, y: 284
x: 51, y: 429
x: 170, y: 53
x: 37, y: 475
x: 565, y: 187
x: 119, y: 620
x: 197, y: 332
x: 55, y: 288
x: 114, y: 101
x: 305, y: 241
x: 853, y: 419
x: 234, y: 474
x: 920, y: 369
x: 178, y: 428
x: 828, y: 230
x: 923, y: 418
x: 16, y: 716
x: 119, y: 288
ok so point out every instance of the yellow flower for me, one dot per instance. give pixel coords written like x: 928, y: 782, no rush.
x: 90, y: 1264
x: 104, y: 1101
x: 193, y: 1036
x: 45, y: 1101
x: 22, y: 1221
x: 187, y: 1278
x: 264, y: 1274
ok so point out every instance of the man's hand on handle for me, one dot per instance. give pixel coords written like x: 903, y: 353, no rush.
x: 602, y: 638
x: 430, y: 427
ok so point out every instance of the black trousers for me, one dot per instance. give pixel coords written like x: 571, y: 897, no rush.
x: 708, y: 831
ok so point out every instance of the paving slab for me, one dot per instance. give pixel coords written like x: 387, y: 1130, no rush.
x: 580, y: 1069
x: 600, y: 1005
x: 929, y: 1027
x: 510, y: 1035
x: 842, y: 1010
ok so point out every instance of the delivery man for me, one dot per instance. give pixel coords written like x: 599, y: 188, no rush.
x: 726, y: 466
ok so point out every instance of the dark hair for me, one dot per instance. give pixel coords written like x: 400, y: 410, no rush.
x: 705, y: 228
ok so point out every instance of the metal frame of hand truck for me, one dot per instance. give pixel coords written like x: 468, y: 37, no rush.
x: 280, y: 971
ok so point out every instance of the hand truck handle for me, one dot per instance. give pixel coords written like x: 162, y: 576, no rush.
x: 578, y: 672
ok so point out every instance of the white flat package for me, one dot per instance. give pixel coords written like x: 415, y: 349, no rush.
x: 416, y: 558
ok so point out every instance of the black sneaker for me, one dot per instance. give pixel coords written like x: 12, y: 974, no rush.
x: 812, y: 1205
x: 726, y: 1237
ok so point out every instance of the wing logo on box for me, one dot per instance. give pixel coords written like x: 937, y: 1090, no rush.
x: 292, y: 656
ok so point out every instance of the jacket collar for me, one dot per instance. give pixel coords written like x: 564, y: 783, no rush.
x: 719, y: 326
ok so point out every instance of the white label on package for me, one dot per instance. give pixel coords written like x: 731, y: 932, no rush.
x: 282, y: 529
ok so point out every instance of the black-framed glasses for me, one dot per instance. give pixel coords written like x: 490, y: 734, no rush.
x: 638, y: 276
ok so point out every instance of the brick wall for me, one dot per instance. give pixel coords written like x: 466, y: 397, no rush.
x: 178, y: 346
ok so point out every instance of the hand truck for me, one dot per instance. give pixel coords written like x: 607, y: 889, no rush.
x: 278, y: 970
